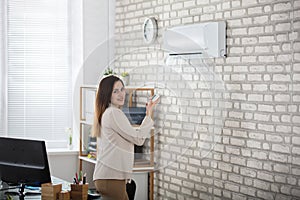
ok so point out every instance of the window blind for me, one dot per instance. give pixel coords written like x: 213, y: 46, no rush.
x: 39, y: 70
x: 2, y: 74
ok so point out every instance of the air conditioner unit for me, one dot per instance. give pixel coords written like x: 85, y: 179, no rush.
x: 206, y: 39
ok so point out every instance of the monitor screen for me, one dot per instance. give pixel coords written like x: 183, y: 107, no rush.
x: 23, y: 161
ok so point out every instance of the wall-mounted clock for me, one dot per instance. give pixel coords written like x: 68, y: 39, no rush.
x: 150, y: 30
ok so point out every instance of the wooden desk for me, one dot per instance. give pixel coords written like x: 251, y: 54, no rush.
x: 37, y: 195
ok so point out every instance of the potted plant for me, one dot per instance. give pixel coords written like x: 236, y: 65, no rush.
x: 125, y: 78
x: 108, y: 71
x: 68, y: 130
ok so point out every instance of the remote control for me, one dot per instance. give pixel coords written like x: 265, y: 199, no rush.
x: 155, y: 97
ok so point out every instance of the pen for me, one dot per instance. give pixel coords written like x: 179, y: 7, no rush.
x: 76, y: 178
x: 84, y: 178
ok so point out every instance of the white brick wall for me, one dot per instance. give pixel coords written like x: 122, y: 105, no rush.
x: 255, y: 119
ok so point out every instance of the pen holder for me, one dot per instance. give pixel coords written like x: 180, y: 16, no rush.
x: 50, y: 191
x: 79, y: 191
x: 64, y: 195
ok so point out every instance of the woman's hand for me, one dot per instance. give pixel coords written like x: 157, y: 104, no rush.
x: 150, y: 105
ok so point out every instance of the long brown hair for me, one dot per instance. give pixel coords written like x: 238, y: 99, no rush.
x: 102, y: 101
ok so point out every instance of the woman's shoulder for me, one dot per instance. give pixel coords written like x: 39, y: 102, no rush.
x: 111, y: 112
x: 112, y: 109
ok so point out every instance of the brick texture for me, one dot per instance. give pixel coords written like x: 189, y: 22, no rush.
x: 228, y: 128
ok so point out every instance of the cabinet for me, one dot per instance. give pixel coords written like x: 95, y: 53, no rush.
x: 136, y: 97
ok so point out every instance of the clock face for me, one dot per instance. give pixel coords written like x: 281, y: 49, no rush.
x: 150, y: 30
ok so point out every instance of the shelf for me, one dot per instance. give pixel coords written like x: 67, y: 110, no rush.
x: 142, y: 164
x: 85, y: 122
x: 139, y: 165
x: 90, y: 86
x: 143, y: 169
x: 85, y: 158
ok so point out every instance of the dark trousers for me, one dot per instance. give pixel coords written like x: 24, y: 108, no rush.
x: 115, y: 189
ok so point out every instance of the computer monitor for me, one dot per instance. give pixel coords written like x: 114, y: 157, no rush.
x: 23, y: 162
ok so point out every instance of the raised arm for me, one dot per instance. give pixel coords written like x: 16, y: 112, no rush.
x: 121, y: 125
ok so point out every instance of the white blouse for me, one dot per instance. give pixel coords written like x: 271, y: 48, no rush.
x: 115, y: 154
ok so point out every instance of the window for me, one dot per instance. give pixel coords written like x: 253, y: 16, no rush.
x: 2, y: 72
x: 39, y: 73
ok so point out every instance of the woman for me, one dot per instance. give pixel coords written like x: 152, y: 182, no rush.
x: 115, y: 139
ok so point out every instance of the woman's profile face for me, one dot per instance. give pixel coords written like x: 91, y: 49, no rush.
x: 118, y: 94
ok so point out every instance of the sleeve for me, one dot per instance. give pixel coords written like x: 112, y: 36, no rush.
x: 121, y: 125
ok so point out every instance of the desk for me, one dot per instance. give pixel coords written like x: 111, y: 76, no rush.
x: 31, y: 195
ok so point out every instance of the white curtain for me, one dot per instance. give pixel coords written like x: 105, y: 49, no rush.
x: 39, y: 72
